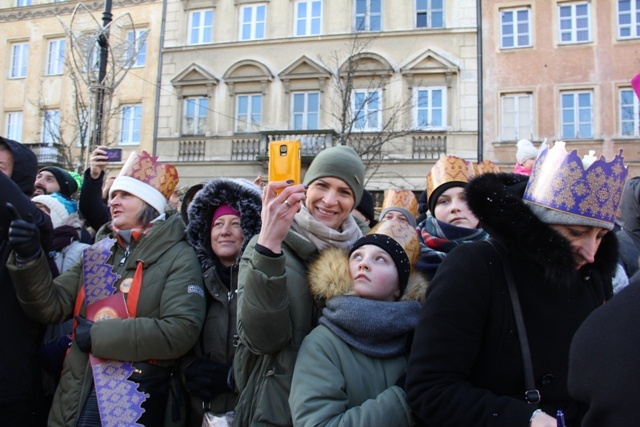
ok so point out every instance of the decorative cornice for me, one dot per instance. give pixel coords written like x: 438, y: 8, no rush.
x: 57, y: 9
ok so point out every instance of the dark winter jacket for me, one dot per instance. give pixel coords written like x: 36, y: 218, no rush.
x: 91, y: 205
x: 216, y: 341
x: 629, y: 234
x: 169, y: 318
x: 465, y: 367
x: 19, y: 335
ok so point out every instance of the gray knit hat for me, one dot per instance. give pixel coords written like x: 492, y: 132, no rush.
x: 340, y: 162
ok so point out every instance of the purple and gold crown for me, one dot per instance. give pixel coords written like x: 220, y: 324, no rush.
x: 589, y: 189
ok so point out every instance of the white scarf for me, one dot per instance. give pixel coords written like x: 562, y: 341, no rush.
x: 322, y: 236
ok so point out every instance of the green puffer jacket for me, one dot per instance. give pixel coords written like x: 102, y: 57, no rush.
x: 169, y: 317
x: 275, y: 312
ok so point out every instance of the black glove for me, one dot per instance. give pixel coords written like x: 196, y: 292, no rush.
x: 24, y: 236
x: 205, y: 378
x: 83, y: 333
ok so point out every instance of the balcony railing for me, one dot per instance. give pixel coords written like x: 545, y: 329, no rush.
x: 48, y: 154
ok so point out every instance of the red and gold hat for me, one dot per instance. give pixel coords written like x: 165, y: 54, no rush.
x: 148, y: 179
x: 452, y: 171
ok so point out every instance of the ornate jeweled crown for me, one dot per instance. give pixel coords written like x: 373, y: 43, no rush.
x: 589, y: 188
x: 397, y: 198
x: 455, y: 169
x: 147, y: 169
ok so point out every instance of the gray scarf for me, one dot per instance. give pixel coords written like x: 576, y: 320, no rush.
x: 376, y: 328
x: 322, y: 236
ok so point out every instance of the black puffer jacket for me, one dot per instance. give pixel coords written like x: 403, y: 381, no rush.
x: 465, y: 367
x: 217, y: 338
x: 629, y: 234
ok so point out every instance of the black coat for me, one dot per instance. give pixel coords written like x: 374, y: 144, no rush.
x: 465, y: 367
x: 19, y: 335
x: 91, y: 205
x: 629, y: 233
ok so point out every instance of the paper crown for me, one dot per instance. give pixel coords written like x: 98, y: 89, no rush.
x: 454, y: 169
x: 145, y: 177
x: 588, y: 189
x: 404, y: 234
x: 404, y: 199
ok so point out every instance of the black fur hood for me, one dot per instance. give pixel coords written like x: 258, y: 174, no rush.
x: 243, y: 196
x: 496, y: 199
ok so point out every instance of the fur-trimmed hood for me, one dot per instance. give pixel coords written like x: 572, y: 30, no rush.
x: 496, y: 199
x: 329, y: 277
x: 242, y: 195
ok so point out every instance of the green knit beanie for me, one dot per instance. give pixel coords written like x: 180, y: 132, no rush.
x: 340, y: 162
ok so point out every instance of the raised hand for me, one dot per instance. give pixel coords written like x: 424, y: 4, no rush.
x: 24, y: 236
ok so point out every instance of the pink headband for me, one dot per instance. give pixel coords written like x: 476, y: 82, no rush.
x: 224, y: 210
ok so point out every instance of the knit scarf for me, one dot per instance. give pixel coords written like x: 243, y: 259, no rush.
x: 376, y: 328
x: 322, y: 236
x: 438, y: 238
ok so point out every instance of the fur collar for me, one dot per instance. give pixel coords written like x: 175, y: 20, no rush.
x: 242, y: 195
x: 496, y: 199
x: 329, y: 276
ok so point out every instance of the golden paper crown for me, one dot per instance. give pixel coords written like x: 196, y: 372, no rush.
x: 404, y: 234
x: 397, y: 198
x: 588, y: 189
x: 454, y: 169
x: 147, y: 169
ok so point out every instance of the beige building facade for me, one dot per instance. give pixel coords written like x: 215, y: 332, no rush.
x: 561, y: 70
x: 237, y: 74
x: 41, y: 105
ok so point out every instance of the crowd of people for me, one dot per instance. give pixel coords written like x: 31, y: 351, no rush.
x: 131, y: 300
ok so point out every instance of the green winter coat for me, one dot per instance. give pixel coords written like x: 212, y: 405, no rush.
x: 275, y: 312
x: 169, y: 317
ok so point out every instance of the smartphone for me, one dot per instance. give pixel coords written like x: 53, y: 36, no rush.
x: 114, y: 154
x: 285, y: 160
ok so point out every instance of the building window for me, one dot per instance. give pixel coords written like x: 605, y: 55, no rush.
x: 19, y: 56
x: 429, y: 13
x: 248, y: 113
x: 200, y: 26
x: 516, y: 116
x: 430, y: 108
x: 628, y: 19
x: 194, y: 117
x: 577, y: 115
x: 308, y: 17
x: 22, y: 3
x: 629, y: 113
x: 13, y: 127
x: 252, y: 22
x: 305, y: 109
x: 367, y: 113
x: 51, y: 127
x: 130, y: 124
x: 55, y: 57
x: 137, y: 48
x: 575, y: 22
x: 368, y: 15
x: 515, y: 28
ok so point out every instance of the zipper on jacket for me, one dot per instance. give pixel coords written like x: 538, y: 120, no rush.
x: 127, y: 252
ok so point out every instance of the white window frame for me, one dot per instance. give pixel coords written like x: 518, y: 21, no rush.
x: 199, y: 32
x: 308, y: 111
x: 137, y: 40
x: 55, y: 57
x: 367, y: 17
x: 430, y: 109
x: 578, y: 112
x: 427, y: 8
x: 521, y: 123
x: 629, y: 112
x: 253, y: 120
x: 568, y: 30
x: 51, y: 127
x: 13, y: 125
x: 256, y: 27
x: 367, y: 113
x: 308, y: 22
x: 19, y: 60
x: 515, y: 26
x: 130, y: 124
x: 630, y: 29
x: 195, y: 123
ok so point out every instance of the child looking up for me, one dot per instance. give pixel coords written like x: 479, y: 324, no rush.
x: 348, y: 368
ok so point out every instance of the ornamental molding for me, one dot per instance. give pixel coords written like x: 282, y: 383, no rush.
x: 57, y: 9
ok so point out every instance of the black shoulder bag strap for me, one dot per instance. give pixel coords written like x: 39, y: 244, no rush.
x: 532, y: 395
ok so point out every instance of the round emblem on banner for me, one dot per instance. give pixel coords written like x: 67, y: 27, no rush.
x: 125, y: 285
